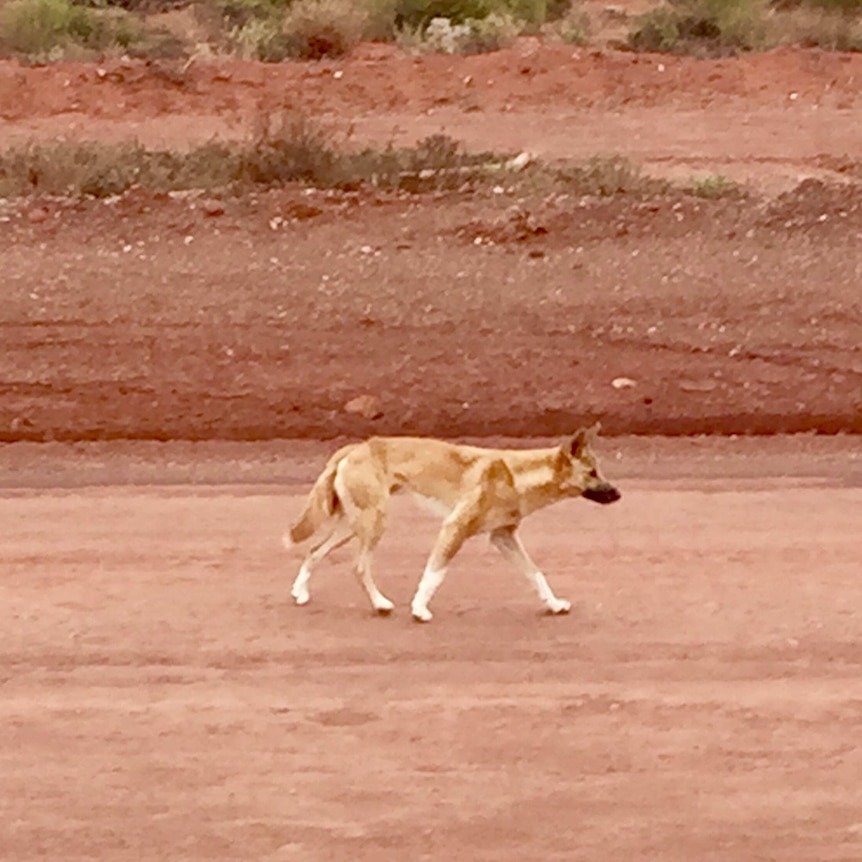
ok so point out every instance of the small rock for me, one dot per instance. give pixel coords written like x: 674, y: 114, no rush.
x: 212, y: 207
x: 615, y: 11
x: 37, y: 215
x: 623, y: 383
x: 697, y: 385
x: 521, y: 161
x: 366, y: 406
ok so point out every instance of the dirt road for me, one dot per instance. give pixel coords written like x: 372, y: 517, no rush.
x: 162, y: 699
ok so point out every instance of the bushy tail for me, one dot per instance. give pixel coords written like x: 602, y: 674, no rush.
x: 320, y: 505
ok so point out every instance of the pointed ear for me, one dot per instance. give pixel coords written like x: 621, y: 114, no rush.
x: 593, y: 432
x: 574, y: 445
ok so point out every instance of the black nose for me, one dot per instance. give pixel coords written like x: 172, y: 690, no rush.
x: 603, y: 494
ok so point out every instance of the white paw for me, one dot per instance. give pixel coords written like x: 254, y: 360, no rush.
x: 559, y: 606
x: 421, y: 615
x: 301, y: 597
x: 383, y: 606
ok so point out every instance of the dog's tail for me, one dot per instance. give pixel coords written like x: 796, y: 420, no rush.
x: 321, y: 503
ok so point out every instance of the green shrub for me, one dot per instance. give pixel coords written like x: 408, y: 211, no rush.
x: 656, y: 30
x: 713, y: 26
x: 573, y: 27
x: 324, y: 28
x: 530, y: 11
x: 848, y: 7
x: 52, y: 29
x: 817, y: 28
x: 473, y: 36
x: 238, y: 13
x: 419, y: 13
x: 260, y: 39
x: 380, y: 20
x: 556, y: 9
x: 491, y: 33
x: 714, y: 186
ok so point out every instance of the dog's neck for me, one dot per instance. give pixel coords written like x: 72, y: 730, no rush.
x: 535, y: 478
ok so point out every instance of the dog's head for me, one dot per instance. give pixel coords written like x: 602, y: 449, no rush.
x: 577, y: 470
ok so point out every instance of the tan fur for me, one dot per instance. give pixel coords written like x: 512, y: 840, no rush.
x: 480, y: 491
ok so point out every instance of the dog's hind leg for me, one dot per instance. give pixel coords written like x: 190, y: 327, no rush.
x: 508, y: 543
x: 367, y: 522
x: 340, y: 534
x: 379, y: 602
x: 368, y: 525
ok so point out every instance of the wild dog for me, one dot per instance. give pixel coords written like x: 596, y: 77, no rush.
x: 476, y: 490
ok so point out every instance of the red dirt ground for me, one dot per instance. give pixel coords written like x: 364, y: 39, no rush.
x: 162, y: 698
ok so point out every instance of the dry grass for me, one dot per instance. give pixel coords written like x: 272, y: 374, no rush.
x: 286, y: 149
x: 294, y: 148
x: 44, y: 30
x: 573, y: 27
x: 714, y: 186
x: 324, y: 28
x: 817, y: 27
x: 713, y: 27
x: 604, y: 176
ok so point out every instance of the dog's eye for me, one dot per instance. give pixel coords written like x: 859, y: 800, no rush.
x: 594, y: 474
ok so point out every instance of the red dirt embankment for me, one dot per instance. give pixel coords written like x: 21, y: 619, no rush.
x: 160, y: 317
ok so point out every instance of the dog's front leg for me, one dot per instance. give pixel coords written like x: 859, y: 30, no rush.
x: 508, y: 543
x: 454, y: 532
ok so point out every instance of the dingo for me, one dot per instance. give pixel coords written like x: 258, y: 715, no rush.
x: 477, y: 490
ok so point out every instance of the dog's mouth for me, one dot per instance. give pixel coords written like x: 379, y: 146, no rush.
x: 603, y: 494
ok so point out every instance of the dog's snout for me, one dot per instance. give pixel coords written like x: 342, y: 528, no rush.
x: 603, y: 494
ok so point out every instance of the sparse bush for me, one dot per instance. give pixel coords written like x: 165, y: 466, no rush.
x: 491, y: 33
x: 573, y: 27
x: 534, y: 12
x: 238, y: 13
x: 711, y: 26
x: 324, y: 28
x: 311, y: 29
x: 415, y: 14
x: 714, y: 186
x: 290, y: 147
x: 818, y: 28
x: 609, y: 176
x: 380, y: 20
x: 847, y: 7
x: 557, y: 9
x: 473, y: 36
x: 273, y: 30
x: 46, y: 30
x: 260, y: 39
x: 656, y: 30
x: 286, y: 149
x: 418, y: 14
x: 100, y: 170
